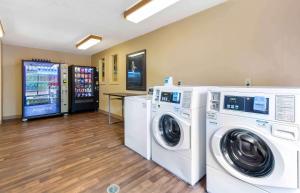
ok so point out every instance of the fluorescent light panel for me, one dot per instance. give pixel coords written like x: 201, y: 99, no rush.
x: 88, y: 42
x: 1, y: 30
x: 146, y: 8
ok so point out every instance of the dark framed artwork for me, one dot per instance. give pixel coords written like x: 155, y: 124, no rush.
x: 136, y: 71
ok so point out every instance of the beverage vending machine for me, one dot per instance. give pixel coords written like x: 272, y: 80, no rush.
x: 40, y: 89
x: 83, y: 88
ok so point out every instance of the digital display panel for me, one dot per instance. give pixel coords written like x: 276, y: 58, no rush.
x: 260, y: 104
x: 247, y: 104
x: 234, y: 103
x: 136, y: 71
x: 176, y: 97
x: 171, y: 97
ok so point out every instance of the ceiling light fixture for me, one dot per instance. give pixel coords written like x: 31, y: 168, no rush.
x: 88, y: 42
x: 1, y: 30
x: 146, y: 8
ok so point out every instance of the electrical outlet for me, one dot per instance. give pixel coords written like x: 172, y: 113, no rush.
x: 248, y: 82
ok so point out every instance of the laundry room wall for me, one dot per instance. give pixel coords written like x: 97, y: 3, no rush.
x: 240, y: 39
x: 12, y: 73
x: 0, y: 81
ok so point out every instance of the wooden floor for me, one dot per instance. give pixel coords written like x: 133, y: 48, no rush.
x: 78, y: 153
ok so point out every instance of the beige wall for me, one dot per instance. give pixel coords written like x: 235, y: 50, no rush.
x: 256, y: 39
x: 0, y: 81
x: 12, y: 73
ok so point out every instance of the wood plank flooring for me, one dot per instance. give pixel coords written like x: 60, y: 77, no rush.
x: 78, y: 154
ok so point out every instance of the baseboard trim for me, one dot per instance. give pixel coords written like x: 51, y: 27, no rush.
x: 6, y: 118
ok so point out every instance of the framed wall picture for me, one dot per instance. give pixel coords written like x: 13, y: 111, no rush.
x: 114, y: 69
x: 136, y: 71
x: 102, y: 71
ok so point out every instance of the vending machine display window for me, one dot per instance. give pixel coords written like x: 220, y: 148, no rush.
x: 41, y: 89
x: 84, y: 87
x: 84, y: 82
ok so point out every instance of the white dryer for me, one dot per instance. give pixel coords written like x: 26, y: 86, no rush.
x: 178, y: 130
x: 253, y: 140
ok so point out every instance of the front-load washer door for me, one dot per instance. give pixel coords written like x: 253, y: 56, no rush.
x: 247, y: 153
x: 171, y: 132
x: 255, y: 158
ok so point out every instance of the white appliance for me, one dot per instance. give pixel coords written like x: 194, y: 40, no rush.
x: 178, y: 130
x: 253, y: 140
x: 137, y: 124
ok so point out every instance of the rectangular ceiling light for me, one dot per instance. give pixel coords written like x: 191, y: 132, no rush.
x: 146, y: 8
x: 1, y: 30
x: 88, y: 42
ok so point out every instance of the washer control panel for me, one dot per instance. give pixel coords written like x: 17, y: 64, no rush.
x: 257, y: 104
x: 171, y: 97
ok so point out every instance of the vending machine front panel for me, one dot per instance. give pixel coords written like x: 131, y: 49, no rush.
x: 41, y: 89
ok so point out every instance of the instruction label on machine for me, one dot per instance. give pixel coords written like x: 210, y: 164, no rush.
x: 285, y: 108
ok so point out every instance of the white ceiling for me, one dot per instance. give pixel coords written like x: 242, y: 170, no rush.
x: 59, y: 24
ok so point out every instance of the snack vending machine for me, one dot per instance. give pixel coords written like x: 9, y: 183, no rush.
x: 40, y: 89
x: 84, y: 89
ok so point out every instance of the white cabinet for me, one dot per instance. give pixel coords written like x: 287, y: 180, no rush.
x: 137, y: 124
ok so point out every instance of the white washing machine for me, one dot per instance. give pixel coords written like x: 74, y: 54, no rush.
x: 253, y: 140
x: 178, y: 130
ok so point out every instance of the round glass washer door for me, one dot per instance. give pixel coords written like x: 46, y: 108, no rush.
x: 247, y: 153
x: 170, y: 130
